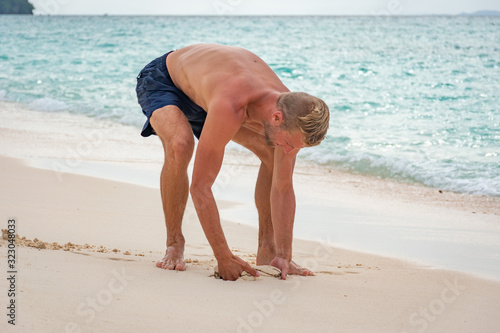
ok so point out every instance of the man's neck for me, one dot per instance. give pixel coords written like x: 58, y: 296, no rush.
x: 261, y: 110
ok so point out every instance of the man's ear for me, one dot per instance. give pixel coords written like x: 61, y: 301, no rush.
x: 277, y: 118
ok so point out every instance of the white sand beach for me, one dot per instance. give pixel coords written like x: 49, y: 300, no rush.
x: 84, y: 195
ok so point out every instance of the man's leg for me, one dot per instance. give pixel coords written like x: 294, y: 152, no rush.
x: 266, y: 251
x: 171, y: 125
x: 257, y: 144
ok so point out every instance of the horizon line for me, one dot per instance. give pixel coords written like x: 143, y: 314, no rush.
x: 465, y: 14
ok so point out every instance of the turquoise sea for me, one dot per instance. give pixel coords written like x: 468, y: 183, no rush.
x: 415, y: 99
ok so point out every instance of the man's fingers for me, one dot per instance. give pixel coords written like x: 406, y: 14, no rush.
x: 252, y: 271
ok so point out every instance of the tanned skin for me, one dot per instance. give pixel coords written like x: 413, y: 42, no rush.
x: 239, y: 91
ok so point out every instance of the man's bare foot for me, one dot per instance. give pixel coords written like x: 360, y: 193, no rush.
x: 265, y: 256
x: 299, y: 270
x: 289, y: 268
x: 173, y: 259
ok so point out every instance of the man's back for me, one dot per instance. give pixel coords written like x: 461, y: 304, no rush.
x: 205, y: 72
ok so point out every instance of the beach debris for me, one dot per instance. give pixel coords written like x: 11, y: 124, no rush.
x: 269, y: 270
x: 40, y: 245
x: 5, y: 234
x: 193, y: 261
x: 69, y: 246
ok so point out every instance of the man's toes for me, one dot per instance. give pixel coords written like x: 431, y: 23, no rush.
x: 160, y: 264
x: 171, y: 264
x: 303, y: 272
x: 180, y: 267
x: 164, y: 264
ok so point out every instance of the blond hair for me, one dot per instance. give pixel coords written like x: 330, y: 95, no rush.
x: 306, y: 113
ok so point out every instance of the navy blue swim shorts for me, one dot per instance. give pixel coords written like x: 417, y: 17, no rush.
x: 155, y: 89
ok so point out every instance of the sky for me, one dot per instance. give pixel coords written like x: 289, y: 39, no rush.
x: 261, y: 7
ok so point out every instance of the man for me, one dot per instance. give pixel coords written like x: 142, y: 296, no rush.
x: 222, y: 93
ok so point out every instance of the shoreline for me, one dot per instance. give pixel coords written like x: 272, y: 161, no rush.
x: 438, y: 229
x: 102, y: 238
x: 98, y: 127
x: 237, y: 206
x: 235, y: 201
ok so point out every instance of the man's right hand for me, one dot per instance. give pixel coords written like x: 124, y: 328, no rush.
x: 230, y: 268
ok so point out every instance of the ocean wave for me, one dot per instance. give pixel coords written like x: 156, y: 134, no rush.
x: 47, y: 104
x: 443, y: 175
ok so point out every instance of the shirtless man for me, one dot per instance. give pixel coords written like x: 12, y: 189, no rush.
x: 230, y: 94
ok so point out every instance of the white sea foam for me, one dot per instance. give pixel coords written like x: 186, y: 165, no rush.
x: 47, y: 104
x: 441, y: 175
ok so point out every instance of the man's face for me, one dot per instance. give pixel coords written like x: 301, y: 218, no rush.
x: 276, y: 137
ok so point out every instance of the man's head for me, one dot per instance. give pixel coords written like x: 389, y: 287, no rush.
x: 305, y: 113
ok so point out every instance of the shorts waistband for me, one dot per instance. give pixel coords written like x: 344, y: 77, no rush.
x: 163, y: 61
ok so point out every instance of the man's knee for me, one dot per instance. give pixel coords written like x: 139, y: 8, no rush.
x: 173, y: 128
x: 180, y: 149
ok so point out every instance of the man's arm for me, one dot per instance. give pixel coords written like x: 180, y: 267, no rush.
x: 222, y: 123
x: 283, y: 208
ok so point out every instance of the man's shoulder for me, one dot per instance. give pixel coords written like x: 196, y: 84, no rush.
x: 240, y: 92
x: 229, y: 73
